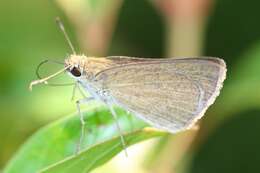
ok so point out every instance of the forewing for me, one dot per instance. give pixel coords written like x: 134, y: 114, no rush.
x: 169, y: 94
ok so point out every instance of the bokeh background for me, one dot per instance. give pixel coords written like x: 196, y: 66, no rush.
x: 228, y: 139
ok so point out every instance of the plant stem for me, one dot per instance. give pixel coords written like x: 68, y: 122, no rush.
x: 94, y: 22
x: 185, y: 22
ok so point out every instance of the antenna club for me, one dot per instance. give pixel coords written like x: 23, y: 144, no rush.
x: 62, y: 28
x: 60, y: 24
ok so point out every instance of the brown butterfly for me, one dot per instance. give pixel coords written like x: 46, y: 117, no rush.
x: 169, y: 94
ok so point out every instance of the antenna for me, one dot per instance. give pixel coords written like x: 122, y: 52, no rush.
x: 50, y: 84
x: 62, y: 28
x: 44, y: 80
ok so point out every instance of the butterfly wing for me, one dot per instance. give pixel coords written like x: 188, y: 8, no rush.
x: 170, y: 94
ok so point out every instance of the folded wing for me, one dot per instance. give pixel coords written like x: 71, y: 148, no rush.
x: 170, y: 94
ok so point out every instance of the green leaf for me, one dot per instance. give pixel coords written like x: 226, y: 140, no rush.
x: 243, y: 82
x: 101, y: 153
x: 55, y: 144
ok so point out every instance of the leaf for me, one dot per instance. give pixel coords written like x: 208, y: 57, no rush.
x: 243, y: 82
x: 99, y: 154
x: 56, y: 142
x: 231, y: 148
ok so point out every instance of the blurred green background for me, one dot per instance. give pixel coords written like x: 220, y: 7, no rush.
x: 228, y: 139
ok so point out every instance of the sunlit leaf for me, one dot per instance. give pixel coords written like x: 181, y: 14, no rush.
x: 57, y: 141
x: 99, y: 154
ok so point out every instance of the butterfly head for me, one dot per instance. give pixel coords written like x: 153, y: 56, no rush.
x: 75, y: 64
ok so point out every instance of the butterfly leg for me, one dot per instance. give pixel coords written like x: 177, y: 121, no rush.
x: 82, y: 121
x: 75, y: 87
x: 112, y: 110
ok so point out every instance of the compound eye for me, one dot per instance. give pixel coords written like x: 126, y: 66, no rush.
x: 75, y: 72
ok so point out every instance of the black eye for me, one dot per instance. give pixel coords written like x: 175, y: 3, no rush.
x: 75, y: 72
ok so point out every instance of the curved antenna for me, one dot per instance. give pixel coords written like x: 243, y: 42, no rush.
x: 44, y: 62
x: 62, y: 28
x: 44, y: 80
x: 39, y: 76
